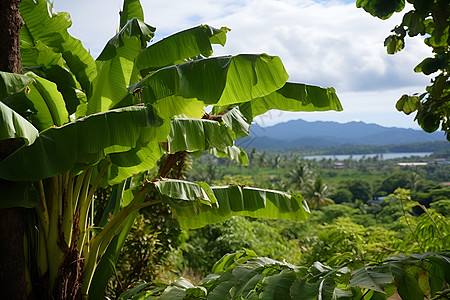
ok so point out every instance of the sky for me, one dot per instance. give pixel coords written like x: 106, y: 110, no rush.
x: 322, y: 42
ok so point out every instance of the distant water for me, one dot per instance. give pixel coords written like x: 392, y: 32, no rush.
x: 381, y: 156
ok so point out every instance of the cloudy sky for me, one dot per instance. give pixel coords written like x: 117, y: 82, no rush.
x: 326, y: 43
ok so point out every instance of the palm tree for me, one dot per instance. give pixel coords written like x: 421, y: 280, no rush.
x: 316, y: 194
x: 413, y: 180
x: 299, y: 176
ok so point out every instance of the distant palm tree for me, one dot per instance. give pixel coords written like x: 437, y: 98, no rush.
x: 316, y: 194
x: 413, y: 180
x: 299, y: 176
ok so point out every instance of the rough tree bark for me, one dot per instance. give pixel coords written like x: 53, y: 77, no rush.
x: 12, y: 260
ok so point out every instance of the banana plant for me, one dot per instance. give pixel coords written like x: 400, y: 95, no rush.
x: 244, y: 275
x: 83, y: 124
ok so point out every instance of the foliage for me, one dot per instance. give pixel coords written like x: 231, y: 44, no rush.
x: 244, y: 275
x: 430, y: 19
x: 360, y: 189
x: 206, y: 245
x: 87, y: 123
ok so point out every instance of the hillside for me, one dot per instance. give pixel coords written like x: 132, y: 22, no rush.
x: 300, y: 133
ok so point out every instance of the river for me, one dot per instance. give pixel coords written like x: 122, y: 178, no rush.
x: 381, y: 156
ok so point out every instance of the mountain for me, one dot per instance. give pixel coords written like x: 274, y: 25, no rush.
x: 299, y: 133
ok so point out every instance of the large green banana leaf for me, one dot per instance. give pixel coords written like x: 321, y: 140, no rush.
x: 180, y: 46
x: 14, y: 126
x: 293, y: 97
x: 237, y: 122
x: 11, y: 83
x: 131, y: 9
x: 200, y: 134
x: 116, y: 68
x: 181, y: 135
x: 43, y: 24
x: 83, y: 142
x: 218, y: 81
x: 234, y: 153
x: 43, y: 61
x: 195, y: 205
x: 40, y: 101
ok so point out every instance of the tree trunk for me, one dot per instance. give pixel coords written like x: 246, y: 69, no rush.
x: 13, y: 284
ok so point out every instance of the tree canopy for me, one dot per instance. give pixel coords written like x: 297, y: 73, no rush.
x: 431, y: 20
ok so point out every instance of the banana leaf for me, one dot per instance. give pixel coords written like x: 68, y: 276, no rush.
x: 14, y: 126
x: 43, y: 61
x: 234, y: 153
x: 11, y: 83
x: 293, y: 97
x: 40, y: 102
x: 85, y: 141
x: 179, y: 47
x: 218, y: 81
x: 43, y: 24
x: 237, y: 122
x: 200, y: 134
x: 131, y: 9
x: 194, y: 208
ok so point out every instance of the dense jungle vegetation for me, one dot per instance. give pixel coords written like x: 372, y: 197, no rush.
x: 120, y: 176
x: 378, y: 209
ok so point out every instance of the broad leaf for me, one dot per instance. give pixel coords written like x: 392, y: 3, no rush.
x: 381, y: 8
x: 41, y: 103
x: 198, y: 134
x: 278, y: 286
x: 293, y: 97
x: 218, y: 81
x: 43, y: 24
x: 83, y: 142
x: 232, y: 152
x: 17, y: 194
x: 116, y: 68
x: 14, y: 126
x: 374, y: 278
x: 180, y: 46
x: 11, y: 84
x: 197, y: 211
x: 131, y: 9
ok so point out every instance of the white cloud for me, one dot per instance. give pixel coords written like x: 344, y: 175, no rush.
x: 327, y: 43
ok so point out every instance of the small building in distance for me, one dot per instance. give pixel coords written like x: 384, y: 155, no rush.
x: 338, y: 165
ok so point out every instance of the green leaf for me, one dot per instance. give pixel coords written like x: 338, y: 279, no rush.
x: 278, y: 286
x: 128, y: 294
x: 218, y: 80
x: 200, y: 134
x: 408, y: 288
x: 43, y: 24
x: 394, y: 44
x: 131, y: 9
x: 14, y: 126
x: 232, y: 152
x: 133, y: 28
x: 382, y: 9
x: 11, y: 84
x: 293, y: 97
x: 374, y: 278
x: 193, y: 209
x: 408, y: 104
x: 237, y: 122
x: 17, y: 194
x: 43, y: 61
x: 301, y: 289
x: 41, y: 103
x: 83, y: 142
x: 116, y: 68
x: 430, y: 65
x: 180, y: 46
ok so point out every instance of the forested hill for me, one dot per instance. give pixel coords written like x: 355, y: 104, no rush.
x: 300, y: 133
